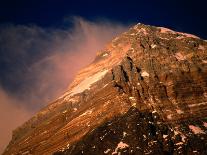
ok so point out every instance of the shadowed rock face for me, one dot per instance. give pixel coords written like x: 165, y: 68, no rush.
x: 150, y: 76
x: 140, y: 133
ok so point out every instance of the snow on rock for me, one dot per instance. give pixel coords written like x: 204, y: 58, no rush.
x: 25, y: 153
x: 107, y: 151
x: 85, y: 84
x: 176, y: 132
x: 145, y: 74
x: 180, y: 37
x: 179, y: 56
x: 88, y: 112
x: 166, y: 30
x: 198, y: 104
x: 104, y: 55
x: 200, y: 47
x: 183, y: 137
x: 179, y: 143
x: 133, y: 101
x: 204, y: 61
x: 196, y: 130
x: 132, y: 98
x: 153, y: 46
x: 164, y: 38
x: 164, y: 136
x: 205, y: 124
x: 143, y: 31
x: 189, y: 35
x: 140, y: 30
x: 205, y: 94
x: 179, y: 111
x: 124, y: 134
x: 169, y: 116
x: 65, y: 111
x: 154, y: 111
x: 120, y: 146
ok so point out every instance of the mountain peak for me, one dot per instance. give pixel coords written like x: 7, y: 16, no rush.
x: 151, y: 76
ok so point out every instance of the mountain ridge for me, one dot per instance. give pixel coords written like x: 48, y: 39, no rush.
x: 148, y: 68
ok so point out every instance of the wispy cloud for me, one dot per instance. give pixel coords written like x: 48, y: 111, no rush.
x: 37, y: 64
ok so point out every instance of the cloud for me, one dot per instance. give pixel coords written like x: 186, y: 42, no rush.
x: 37, y: 64
x: 12, y: 115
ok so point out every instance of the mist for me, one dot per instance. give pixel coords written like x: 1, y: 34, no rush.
x: 38, y: 64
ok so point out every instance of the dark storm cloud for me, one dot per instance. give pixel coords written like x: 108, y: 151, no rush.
x: 37, y: 65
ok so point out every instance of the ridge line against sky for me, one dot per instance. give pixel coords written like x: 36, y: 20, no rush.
x: 40, y: 39
x: 185, y: 15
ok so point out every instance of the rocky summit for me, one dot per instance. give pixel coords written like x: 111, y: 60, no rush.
x: 145, y: 93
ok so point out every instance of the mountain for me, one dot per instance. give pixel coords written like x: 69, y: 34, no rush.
x: 145, y: 93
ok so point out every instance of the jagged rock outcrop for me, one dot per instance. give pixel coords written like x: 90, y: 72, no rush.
x: 150, y: 76
x: 139, y: 133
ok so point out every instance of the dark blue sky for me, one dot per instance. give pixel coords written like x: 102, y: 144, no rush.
x: 31, y: 29
x: 183, y: 15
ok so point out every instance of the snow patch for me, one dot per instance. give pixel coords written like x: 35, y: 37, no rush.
x: 204, y: 61
x: 120, y: 146
x: 183, y: 137
x: 106, y: 54
x: 132, y: 98
x: 105, y: 85
x: 26, y: 153
x: 179, y: 111
x: 145, y: 74
x: 179, y: 56
x: 205, y: 94
x: 180, y: 143
x: 169, y: 116
x: 164, y: 136
x: 189, y: 35
x: 198, y: 104
x: 175, y: 132
x: 153, y: 46
x: 196, y: 129
x: 154, y: 111
x: 85, y: 84
x: 88, y: 112
x: 180, y: 37
x: 166, y: 30
x: 205, y: 124
x: 132, y: 34
x: 142, y: 30
x: 124, y: 134
x: 64, y: 111
x: 107, y: 151
x: 164, y: 38
x: 200, y: 47
x: 133, y: 101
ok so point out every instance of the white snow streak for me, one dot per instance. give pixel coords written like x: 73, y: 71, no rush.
x: 196, y: 130
x: 85, y: 84
x: 145, y: 74
x: 121, y: 146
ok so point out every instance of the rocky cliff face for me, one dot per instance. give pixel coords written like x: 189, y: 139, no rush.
x: 145, y: 93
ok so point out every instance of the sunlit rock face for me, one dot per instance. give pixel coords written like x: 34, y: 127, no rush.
x: 145, y: 93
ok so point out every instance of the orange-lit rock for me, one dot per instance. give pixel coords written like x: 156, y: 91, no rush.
x: 151, y: 76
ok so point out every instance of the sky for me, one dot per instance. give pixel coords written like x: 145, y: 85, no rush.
x: 43, y: 44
